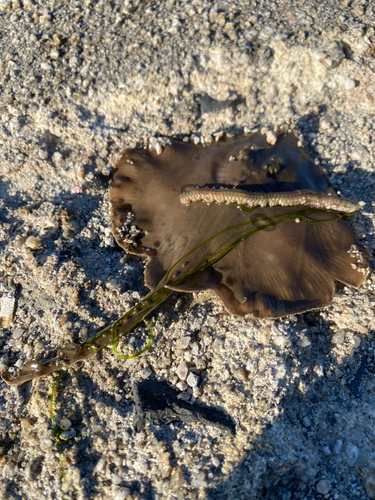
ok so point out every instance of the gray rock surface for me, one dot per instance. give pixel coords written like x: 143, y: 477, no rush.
x: 81, y: 80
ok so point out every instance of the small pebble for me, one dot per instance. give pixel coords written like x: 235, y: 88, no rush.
x: 33, y: 243
x: 271, y: 137
x: 359, y: 153
x: 65, y: 424
x: 340, y: 169
x: 182, y: 371
x: 17, y: 333
x: 54, y: 54
x: 199, y: 481
x: 45, y: 66
x: 323, y: 486
x: 241, y: 374
x: 215, y: 462
x: 306, y: 422
x: 146, y: 372
x: 193, y: 380
x: 338, y: 337
x: 182, y: 385
x: 57, y: 158
x: 349, y: 84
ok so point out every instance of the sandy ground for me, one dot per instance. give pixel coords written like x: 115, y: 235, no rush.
x: 80, y: 81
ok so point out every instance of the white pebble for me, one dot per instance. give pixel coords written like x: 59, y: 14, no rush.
x: 17, y: 333
x: 349, y: 84
x: 340, y: 169
x: 54, y: 54
x: 146, y: 372
x: 99, y: 467
x: 323, y: 486
x: 271, y: 137
x: 57, y: 158
x: 193, y: 380
x: 154, y: 145
x: 359, y: 153
x: 215, y: 462
x: 33, y: 243
x: 318, y: 370
x: 182, y: 385
x: 45, y: 66
x: 182, y: 371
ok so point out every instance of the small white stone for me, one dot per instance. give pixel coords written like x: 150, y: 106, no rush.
x: 33, y: 243
x: 17, y: 333
x: 57, y: 158
x: 182, y: 371
x: 318, y: 370
x: 193, y: 380
x: 215, y: 462
x: 323, y: 486
x: 182, y: 385
x: 54, y: 54
x: 19, y: 363
x: 71, y: 433
x: 184, y: 396
x: 99, y: 467
x: 359, y: 153
x: 146, y: 372
x: 349, y: 84
x: 304, y: 341
x: 271, y: 137
x: 45, y: 66
x: 340, y: 169
x: 199, y: 481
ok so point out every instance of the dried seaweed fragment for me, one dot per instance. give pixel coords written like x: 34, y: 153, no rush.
x: 288, y: 199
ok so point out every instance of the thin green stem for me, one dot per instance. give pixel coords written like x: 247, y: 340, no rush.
x: 56, y: 430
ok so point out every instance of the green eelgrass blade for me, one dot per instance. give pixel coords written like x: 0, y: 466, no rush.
x: 55, y: 428
x: 132, y: 356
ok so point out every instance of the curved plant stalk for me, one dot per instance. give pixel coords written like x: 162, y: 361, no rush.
x: 70, y: 352
x: 114, y: 342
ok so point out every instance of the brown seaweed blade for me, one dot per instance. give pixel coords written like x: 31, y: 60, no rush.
x: 272, y: 273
